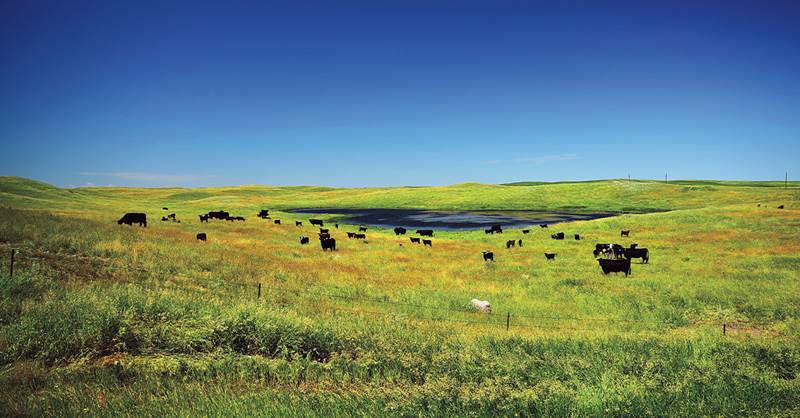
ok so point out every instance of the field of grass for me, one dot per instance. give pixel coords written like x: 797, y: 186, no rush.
x: 103, y: 319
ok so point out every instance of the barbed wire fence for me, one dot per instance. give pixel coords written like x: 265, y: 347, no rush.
x: 504, y: 319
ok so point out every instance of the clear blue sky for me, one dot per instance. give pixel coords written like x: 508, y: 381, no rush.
x: 397, y: 93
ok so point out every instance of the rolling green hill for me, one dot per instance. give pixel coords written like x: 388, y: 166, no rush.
x: 104, y: 319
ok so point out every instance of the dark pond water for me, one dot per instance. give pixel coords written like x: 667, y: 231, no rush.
x: 452, y: 220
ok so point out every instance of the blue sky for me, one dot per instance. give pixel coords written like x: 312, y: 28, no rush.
x: 397, y: 93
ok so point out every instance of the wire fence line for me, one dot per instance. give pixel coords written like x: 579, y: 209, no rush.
x: 488, y: 320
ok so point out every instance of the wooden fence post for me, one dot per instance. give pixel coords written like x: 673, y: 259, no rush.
x: 11, y: 267
x: 259, y: 291
x: 508, y: 320
x: 724, y: 328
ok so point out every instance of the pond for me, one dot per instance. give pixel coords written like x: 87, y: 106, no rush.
x: 452, y: 220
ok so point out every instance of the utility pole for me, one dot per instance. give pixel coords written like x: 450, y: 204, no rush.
x: 665, y: 178
x: 786, y: 181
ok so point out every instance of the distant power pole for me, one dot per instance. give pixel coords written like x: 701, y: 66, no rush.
x: 786, y: 181
x: 665, y: 178
x: 629, y: 177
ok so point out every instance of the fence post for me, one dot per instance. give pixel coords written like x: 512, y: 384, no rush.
x: 11, y: 267
x: 724, y: 327
x: 259, y: 291
x: 508, y: 320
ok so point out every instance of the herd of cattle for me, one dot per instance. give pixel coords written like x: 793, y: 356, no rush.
x: 612, y: 258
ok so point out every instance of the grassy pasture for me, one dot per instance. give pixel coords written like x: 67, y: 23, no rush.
x: 102, y: 319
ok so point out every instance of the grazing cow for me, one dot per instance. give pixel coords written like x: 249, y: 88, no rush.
x: 165, y: 208
x: 298, y: 223
x: 427, y: 242
x: 488, y: 231
x: 780, y: 207
x: 263, y: 214
x: 577, y: 237
x: 609, y: 251
x: 328, y: 244
x: 625, y: 233
x: 240, y: 218
x: 759, y: 205
x: 171, y: 216
x: 481, y: 305
x: 559, y: 235
x: 543, y: 225
x: 425, y: 232
x: 164, y: 219
x: 414, y: 240
x: 510, y: 243
x: 550, y: 256
x: 131, y: 218
x: 362, y: 229
x: 336, y: 226
x: 324, y: 231
x: 303, y: 240
x: 201, y: 236
x: 615, y: 266
x: 351, y: 234
x: 519, y: 244
x: 221, y: 215
x: 631, y: 253
x: 360, y: 236
x: 277, y: 222
x: 497, y: 228
x: 324, y: 235
x: 316, y: 222
x: 399, y: 231
x: 526, y: 231
x: 487, y: 255
x: 203, y: 218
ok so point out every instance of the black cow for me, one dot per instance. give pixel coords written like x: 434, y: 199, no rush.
x: 497, y: 228
x: 303, y: 240
x: 519, y: 244
x: 543, y: 225
x: 577, y: 237
x: 414, y: 240
x: 488, y: 231
x: 615, y: 266
x: 780, y: 207
x: 336, y: 226
x: 362, y: 229
x: 165, y: 208
x: 240, y: 218
x: 526, y: 231
x: 351, y: 234
x: 316, y: 222
x: 631, y: 253
x: 201, y: 236
x: 427, y: 242
x: 425, y: 232
x: 324, y: 235
x: 221, y: 215
x: 399, y: 231
x: 625, y: 233
x: 609, y: 251
x: 298, y: 223
x: 171, y: 216
x: 131, y: 218
x: 510, y: 243
x: 324, y: 231
x: 487, y: 255
x: 550, y: 256
x: 277, y: 222
x: 203, y: 218
x: 164, y: 219
x: 263, y: 214
x: 360, y: 236
x: 559, y: 235
x: 328, y: 244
